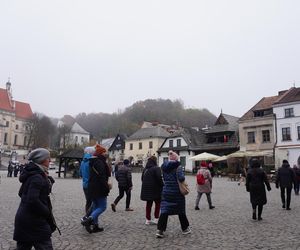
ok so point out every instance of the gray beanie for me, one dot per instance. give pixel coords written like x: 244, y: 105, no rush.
x: 38, y: 155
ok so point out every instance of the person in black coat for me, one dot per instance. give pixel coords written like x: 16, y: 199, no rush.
x: 34, y: 221
x: 152, y: 184
x: 98, y: 189
x: 124, y: 178
x: 255, y: 184
x: 285, y: 179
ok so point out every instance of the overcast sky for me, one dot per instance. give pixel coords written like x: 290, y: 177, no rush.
x: 68, y: 56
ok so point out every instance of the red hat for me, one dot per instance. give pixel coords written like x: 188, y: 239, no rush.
x: 203, y: 164
x: 99, y: 150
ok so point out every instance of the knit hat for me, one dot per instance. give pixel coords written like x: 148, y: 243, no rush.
x: 203, y: 164
x: 173, y: 156
x: 99, y: 150
x: 285, y: 162
x: 126, y: 162
x: 89, y: 150
x: 38, y: 155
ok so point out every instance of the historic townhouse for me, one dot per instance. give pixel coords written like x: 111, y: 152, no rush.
x: 14, y: 118
x: 287, y: 127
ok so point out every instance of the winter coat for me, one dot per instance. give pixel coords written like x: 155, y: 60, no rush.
x: 285, y: 176
x: 206, y: 187
x: 152, y: 183
x: 255, y: 184
x: 123, y: 176
x: 84, y: 170
x: 98, y: 180
x: 172, y: 202
x: 33, y: 218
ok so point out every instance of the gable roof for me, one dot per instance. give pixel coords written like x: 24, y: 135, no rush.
x: 152, y: 132
x: 68, y: 120
x: 107, y: 142
x: 224, y: 123
x: 75, y: 153
x: 21, y: 109
x: 292, y: 95
x: 76, y: 128
x: 263, y: 104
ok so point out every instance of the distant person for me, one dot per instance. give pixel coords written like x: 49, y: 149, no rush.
x: 84, y: 172
x: 296, y: 170
x: 152, y: 185
x: 10, y: 169
x: 285, y: 180
x: 34, y: 221
x: 255, y: 184
x: 124, y: 178
x: 16, y: 169
x: 205, y: 187
x: 173, y: 202
x: 98, y: 188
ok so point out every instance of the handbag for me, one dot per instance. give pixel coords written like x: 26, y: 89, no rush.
x: 183, y: 186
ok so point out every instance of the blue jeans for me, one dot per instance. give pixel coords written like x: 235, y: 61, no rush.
x: 99, y: 206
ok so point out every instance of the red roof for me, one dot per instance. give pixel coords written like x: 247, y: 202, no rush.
x: 21, y: 109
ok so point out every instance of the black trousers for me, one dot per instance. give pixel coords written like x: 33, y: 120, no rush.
x: 163, y: 221
x: 288, y: 196
x: 123, y: 190
x: 260, y: 209
x: 88, y: 203
x: 44, y: 245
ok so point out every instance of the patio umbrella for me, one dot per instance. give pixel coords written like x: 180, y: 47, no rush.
x: 259, y: 153
x: 221, y: 158
x: 204, y: 157
x: 237, y: 154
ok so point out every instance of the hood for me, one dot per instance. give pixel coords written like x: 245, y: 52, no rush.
x: 285, y: 165
x: 150, y: 164
x: 86, y: 157
x: 29, y: 170
x: 169, y: 166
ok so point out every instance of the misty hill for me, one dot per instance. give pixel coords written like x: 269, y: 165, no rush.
x: 169, y: 112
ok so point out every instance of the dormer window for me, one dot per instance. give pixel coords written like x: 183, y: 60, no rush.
x: 289, y: 112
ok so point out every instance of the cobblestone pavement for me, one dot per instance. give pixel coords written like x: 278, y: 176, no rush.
x: 228, y: 226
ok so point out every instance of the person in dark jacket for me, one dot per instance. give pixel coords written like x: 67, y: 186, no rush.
x: 255, y: 184
x: 124, y: 178
x: 84, y: 172
x: 285, y: 179
x: 98, y: 188
x: 173, y: 202
x: 296, y: 170
x: 34, y: 221
x: 152, y: 185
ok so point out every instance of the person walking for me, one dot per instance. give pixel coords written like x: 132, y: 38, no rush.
x: 34, y: 221
x: 10, y: 169
x: 173, y: 202
x: 205, y: 187
x: 124, y: 178
x: 152, y: 185
x: 285, y: 179
x: 98, y: 188
x: 296, y: 170
x: 255, y: 184
x: 84, y: 172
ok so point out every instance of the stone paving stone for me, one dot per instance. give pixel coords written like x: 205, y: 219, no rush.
x: 228, y: 226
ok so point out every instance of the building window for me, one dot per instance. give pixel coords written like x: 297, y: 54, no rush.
x: 16, y: 140
x: 150, y: 144
x: 286, y: 134
x: 17, y: 126
x: 7, y: 123
x: 76, y: 139
x: 140, y: 145
x: 25, y: 141
x: 5, y: 138
x: 178, y: 142
x: 288, y: 112
x: 131, y: 146
x: 170, y: 143
x: 251, y: 137
x: 266, y: 135
x: 82, y: 139
x: 298, y: 130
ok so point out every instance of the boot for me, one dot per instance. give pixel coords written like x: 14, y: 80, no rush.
x: 87, y: 221
x: 97, y: 229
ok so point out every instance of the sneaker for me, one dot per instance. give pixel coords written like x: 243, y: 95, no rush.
x: 197, y: 208
x: 129, y: 209
x: 113, y: 207
x: 84, y: 218
x: 211, y: 207
x: 148, y: 222
x: 187, y: 231
x: 159, y: 234
x: 154, y: 221
x: 259, y: 218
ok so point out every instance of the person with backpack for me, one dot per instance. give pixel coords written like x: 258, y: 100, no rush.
x: 204, y: 185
